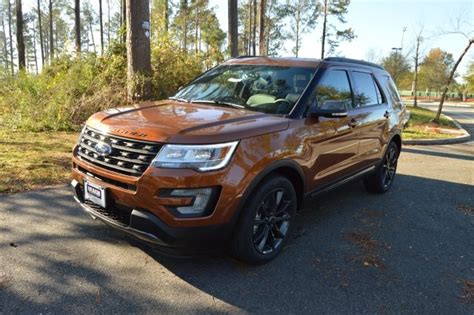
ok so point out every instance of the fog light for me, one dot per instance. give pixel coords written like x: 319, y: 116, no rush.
x: 201, y: 198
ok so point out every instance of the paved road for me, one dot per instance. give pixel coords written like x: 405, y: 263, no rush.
x: 406, y: 251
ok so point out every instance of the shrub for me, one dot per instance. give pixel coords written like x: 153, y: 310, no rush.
x: 69, y: 90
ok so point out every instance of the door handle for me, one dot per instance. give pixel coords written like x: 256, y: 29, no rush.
x: 353, y: 123
x: 387, y: 114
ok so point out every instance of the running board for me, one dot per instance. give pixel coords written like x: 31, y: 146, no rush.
x: 339, y: 183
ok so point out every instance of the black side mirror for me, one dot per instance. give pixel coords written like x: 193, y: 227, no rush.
x: 330, y: 109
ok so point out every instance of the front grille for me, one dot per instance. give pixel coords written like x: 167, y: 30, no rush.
x: 128, y: 156
x: 117, y: 213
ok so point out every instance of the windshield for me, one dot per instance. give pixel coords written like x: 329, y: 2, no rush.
x: 269, y: 89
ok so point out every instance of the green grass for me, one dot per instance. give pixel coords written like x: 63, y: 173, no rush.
x: 31, y: 160
x: 421, y: 125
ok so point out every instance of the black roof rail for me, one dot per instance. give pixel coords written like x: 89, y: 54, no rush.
x: 349, y: 60
x: 246, y: 56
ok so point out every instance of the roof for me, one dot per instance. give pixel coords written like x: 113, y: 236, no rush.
x: 297, y: 62
x: 276, y: 61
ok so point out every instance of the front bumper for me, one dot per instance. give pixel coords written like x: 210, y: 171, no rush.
x: 147, y: 227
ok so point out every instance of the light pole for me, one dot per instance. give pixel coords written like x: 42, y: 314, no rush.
x: 403, y: 34
x: 397, y: 52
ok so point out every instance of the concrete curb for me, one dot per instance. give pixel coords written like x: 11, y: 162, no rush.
x: 465, y: 137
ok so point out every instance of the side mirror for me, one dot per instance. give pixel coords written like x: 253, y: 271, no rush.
x: 330, y: 109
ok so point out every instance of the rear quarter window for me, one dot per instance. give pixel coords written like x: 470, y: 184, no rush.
x: 392, y: 91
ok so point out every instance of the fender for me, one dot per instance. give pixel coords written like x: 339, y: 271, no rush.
x: 285, y: 163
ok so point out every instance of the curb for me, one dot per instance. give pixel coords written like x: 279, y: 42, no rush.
x: 460, y: 139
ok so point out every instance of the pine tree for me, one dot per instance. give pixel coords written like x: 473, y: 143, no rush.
x: 331, y: 34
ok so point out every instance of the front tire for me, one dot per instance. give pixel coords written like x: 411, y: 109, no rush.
x: 265, y: 223
x: 382, y: 179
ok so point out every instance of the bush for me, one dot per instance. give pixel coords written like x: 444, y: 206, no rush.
x: 68, y: 91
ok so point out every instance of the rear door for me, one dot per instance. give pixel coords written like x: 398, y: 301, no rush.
x: 371, y: 114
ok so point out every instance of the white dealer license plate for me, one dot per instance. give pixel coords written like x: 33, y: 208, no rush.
x: 95, y: 193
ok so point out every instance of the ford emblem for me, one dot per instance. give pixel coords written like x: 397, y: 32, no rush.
x: 103, y: 148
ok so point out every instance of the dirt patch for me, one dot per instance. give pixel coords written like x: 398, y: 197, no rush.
x: 369, y: 250
x: 467, y: 294
x: 466, y: 209
x: 5, y: 280
x: 363, y: 240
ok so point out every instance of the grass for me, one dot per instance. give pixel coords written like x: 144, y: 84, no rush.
x: 420, y: 125
x: 31, y: 160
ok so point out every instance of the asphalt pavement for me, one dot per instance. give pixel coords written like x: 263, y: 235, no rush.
x: 410, y: 250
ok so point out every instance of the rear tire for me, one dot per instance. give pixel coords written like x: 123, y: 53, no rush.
x: 382, y: 179
x: 265, y: 222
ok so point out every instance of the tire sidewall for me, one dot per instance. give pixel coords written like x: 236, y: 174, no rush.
x: 243, y: 240
x: 380, y: 171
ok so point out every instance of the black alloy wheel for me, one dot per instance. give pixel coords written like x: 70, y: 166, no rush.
x: 265, y: 222
x: 272, y: 221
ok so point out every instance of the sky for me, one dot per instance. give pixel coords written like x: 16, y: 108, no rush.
x: 379, y: 24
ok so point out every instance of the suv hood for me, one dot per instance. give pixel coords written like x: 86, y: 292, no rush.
x: 174, y: 122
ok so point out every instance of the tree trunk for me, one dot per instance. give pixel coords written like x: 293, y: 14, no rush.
x: 451, y: 75
x: 12, y: 64
x: 5, y: 42
x: 101, y: 29
x: 77, y: 25
x: 323, y: 38
x: 254, y: 28
x: 415, y: 79
x: 261, y: 40
x: 40, y: 31
x: 298, y: 22
x: 167, y: 16
x: 249, y: 43
x: 184, y: 11
x: 51, y: 37
x: 35, y: 55
x: 196, y: 39
x: 124, y: 21
x: 108, y: 22
x: 92, y: 35
x: 233, y: 28
x: 20, y: 43
x: 138, y: 50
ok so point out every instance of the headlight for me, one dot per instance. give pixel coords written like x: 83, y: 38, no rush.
x: 202, y: 158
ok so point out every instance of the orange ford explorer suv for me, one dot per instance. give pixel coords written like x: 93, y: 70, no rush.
x: 229, y: 159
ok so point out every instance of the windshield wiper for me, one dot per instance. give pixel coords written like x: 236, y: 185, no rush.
x: 215, y: 102
x: 182, y: 100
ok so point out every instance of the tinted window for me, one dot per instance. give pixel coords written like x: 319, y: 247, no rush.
x: 334, y: 86
x: 368, y: 92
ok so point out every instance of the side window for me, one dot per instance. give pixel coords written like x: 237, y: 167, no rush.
x: 334, y: 86
x: 368, y: 92
x: 393, y: 92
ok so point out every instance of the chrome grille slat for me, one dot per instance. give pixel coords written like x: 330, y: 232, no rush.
x: 115, y: 146
x: 129, y: 156
x: 95, y: 161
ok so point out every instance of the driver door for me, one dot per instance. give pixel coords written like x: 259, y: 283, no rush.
x: 336, y: 144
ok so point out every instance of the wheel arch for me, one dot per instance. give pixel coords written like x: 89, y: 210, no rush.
x: 398, y: 141
x: 287, y: 168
